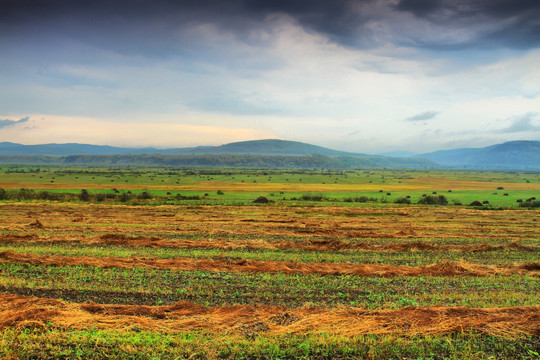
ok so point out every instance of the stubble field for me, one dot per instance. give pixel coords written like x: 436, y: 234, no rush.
x: 303, y: 276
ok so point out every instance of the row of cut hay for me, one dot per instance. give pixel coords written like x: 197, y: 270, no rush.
x: 23, y: 312
x: 219, y: 265
x: 258, y: 244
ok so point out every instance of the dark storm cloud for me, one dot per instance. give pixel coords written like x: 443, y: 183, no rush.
x: 428, y: 115
x: 162, y: 28
x: 333, y: 17
x: 507, y: 23
x: 510, y: 23
x: 6, y: 122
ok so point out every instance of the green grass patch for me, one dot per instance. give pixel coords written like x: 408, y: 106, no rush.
x: 57, y: 343
x: 157, y: 286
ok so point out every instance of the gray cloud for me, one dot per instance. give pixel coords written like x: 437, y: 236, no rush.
x: 522, y: 123
x: 427, y: 115
x: 151, y: 27
x: 6, y: 122
x: 490, y: 23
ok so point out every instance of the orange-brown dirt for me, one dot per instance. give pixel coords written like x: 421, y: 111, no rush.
x: 445, y: 269
x: 23, y: 312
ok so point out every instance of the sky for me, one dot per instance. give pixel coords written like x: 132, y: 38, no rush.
x: 367, y: 76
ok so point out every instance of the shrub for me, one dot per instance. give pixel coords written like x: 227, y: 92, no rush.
x: 219, y: 192
x: 433, y: 200
x: 531, y: 204
x: 124, y: 197
x: 360, y: 199
x: 402, y: 201
x: 313, y: 197
x: 145, y: 196
x: 45, y: 195
x: 25, y: 194
x: 3, y: 194
x: 84, y: 195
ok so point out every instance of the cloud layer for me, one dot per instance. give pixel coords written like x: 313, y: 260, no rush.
x: 343, y: 73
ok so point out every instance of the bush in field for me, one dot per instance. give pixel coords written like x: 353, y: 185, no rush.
x: 45, y: 195
x: 3, y: 194
x: 145, y: 195
x: 433, y: 200
x: 124, y: 197
x: 360, y: 199
x: 84, y: 195
x: 531, y: 204
x: 220, y: 192
x: 313, y: 197
x: 24, y: 194
x: 402, y: 201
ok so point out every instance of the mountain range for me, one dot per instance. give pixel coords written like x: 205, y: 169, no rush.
x: 508, y: 155
x: 519, y: 155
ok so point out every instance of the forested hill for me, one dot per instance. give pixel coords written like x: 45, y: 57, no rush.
x: 521, y: 155
x: 255, y: 147
x: 267, y: 147
x: 226, y: 160
x: 515, y: 155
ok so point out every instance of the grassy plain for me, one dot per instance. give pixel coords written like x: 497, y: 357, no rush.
x: 319, y: 272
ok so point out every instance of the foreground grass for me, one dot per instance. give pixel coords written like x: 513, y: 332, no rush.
x: 50, y: 342
x: 158, y: 286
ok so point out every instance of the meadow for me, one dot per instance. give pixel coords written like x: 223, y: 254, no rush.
x: 141, y: 263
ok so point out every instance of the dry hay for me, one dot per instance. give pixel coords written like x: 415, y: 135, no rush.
x: 242, y: 265
x: 315, y: 244
x: 21, y: 311
x: 306, y: 223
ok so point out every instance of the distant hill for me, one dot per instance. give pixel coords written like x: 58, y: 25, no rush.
x: 399, y: 154
x: 518, y: 155
x: 255, y: 147
x: 7, y: 148
x: 267, y: 147
x: 226, y: 160
x: 257, y: 153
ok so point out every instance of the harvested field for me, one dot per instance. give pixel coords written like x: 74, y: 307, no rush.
x: 333, y: 244
x: 346, y: 224
x: 19, y: 311
x: 269, y: 275
x: 242, y: 265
